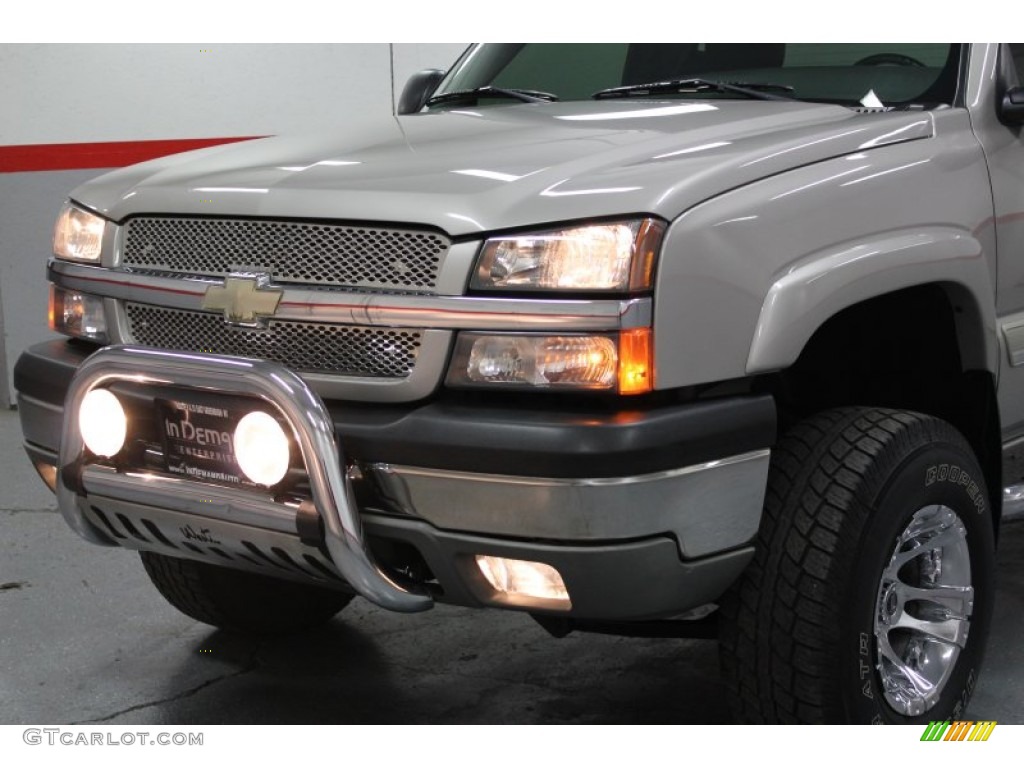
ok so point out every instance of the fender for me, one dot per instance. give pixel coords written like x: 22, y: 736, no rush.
x: 807, y: 294
x: 747, y: 277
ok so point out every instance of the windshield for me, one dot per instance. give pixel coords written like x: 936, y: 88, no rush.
x: 871, y: 75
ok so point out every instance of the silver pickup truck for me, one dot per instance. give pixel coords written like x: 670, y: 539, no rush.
x: 651, y: 339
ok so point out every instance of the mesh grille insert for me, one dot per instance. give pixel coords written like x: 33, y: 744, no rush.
x: 298, y: 252
x: 309, y: 347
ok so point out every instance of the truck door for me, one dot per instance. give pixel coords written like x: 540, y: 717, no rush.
x: 995, y: 68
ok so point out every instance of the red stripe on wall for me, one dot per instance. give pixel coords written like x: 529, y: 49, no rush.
x: 106, y: 154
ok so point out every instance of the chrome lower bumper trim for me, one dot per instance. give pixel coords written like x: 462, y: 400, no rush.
x: 708, y: 507
x: 1013, y: 502
x: 276, y: 385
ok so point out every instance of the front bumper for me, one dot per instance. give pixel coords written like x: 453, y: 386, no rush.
x: 645, y: 514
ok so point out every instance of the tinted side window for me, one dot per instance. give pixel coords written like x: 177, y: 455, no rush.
x: 1017, y: 51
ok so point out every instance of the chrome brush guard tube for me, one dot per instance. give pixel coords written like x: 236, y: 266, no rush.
x: 303, y: 410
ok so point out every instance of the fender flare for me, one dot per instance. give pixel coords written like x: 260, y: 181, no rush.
x: 815, y: 288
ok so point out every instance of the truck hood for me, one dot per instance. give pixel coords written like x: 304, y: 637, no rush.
x: 467, y: 171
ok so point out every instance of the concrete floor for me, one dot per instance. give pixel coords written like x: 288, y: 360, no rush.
x: 84, y: 638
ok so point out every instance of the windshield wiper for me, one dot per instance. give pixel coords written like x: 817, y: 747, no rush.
x: 493, y: 92
x: 699, y: 85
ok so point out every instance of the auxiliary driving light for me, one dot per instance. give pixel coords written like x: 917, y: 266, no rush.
x: 261, y: 448
x: 524, y: 582
x: 102, y: 422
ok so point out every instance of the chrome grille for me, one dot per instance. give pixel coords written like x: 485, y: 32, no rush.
x: 300, y: 252
x: 303, y: 347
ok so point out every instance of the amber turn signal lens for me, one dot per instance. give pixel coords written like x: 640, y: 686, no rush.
x: 636, y: 368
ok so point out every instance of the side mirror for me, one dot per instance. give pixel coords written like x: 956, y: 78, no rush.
x: 1012, y: 109
x: 418, y: 90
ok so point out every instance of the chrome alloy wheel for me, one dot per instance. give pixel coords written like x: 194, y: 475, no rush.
x: 923, y: 610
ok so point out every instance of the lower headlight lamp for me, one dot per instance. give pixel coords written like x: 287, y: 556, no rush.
x: 77, y: 314
x: 619, y: 362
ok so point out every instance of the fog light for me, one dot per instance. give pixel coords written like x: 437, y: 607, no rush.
x: 102, y: 422
x: 261, y: 448
x: 524, y: 582
x: 48, y: 473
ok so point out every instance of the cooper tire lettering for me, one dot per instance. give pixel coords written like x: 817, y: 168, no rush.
x: 960, y: 477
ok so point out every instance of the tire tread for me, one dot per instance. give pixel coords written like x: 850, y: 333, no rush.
x: 777, y: 628
x: 240, y: 601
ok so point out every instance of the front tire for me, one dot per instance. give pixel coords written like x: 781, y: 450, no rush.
x: 870, y: 595
x: 239, y: 601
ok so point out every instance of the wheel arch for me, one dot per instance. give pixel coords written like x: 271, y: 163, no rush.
x: 928, y: 347
x: 807, y: 294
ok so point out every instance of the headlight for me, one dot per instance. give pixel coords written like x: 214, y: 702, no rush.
x: 613, y: 363
x: 77, y: 314
x: 78, y: 235
x: 610, y: 257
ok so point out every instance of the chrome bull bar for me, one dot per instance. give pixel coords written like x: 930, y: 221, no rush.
x: 298, y: 404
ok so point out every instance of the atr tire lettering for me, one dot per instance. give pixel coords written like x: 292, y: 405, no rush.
x: 864, y: 642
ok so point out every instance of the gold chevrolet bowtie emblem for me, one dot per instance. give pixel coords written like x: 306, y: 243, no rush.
x: 244, y: 298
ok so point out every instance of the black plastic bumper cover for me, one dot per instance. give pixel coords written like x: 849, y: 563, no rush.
x: 509, y: 440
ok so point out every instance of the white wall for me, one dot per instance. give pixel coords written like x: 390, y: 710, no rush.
x: 82, y: 93
x: 73, y: 94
